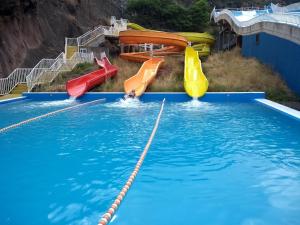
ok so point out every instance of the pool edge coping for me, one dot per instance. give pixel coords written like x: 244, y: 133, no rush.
x: 152, y: 96
x: 5, y: 101
x: 279, y: 108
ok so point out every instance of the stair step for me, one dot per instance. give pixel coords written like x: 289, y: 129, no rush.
x: 19, y: 89
x: 4, y: 97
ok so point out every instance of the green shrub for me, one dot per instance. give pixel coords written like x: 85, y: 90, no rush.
x: 169, y: 15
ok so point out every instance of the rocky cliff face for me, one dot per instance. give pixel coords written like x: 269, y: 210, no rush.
x: 35, y: 29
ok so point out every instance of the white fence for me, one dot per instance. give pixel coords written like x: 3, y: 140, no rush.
x: 113, y: 30
x: 48, y: 74
x: 16, y: 77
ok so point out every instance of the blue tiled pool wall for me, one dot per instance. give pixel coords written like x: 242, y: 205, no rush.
x: 150, y: 96
x: 282, y: 55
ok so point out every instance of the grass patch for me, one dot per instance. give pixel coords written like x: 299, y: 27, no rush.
x: 226, y: 71
x: 230, y: 71
x: 169, y: 77
x: 125, y: 70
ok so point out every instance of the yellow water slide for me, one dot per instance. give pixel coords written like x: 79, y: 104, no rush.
x: 143, y: 78
x: 195, y: 82
x: 135, y: 26
x: 195, y: 37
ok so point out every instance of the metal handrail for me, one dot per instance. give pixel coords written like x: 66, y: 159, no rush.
x: 114, y: 29
x: 86, y: 38
x: 46, y: 75
x: 16, y: 77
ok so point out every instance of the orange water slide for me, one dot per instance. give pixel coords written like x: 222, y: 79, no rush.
x: 154, y: 37
x: 173, y: 43
x: 144, y: 76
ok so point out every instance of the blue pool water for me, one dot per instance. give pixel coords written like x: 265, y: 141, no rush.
x: 229, y: 164
x: 17, y: 111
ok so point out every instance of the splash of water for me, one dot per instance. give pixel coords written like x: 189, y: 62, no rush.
x: 131, y: 103
x: 126, y: 103
x: 72, y: 98
x: 195, y: 104
x: 68, y: 101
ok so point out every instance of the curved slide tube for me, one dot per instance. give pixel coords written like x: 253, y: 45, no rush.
x: 135, y: 26
x: 78, y: 86
x: 145, y: 75
x: 154, y: 37
x: 144, y: 56
x: 175, y: 44
x: 195, y: 37
x: 201, y: 41
x: 195, y: 82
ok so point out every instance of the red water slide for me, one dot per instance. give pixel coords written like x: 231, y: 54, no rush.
x: 78, y: 86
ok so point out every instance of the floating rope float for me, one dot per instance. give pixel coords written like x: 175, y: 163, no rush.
x: 2, y: 130
x: 105, y: 219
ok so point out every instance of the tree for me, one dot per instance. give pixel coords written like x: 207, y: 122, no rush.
x: 199, y: 15
x: 169, y: 15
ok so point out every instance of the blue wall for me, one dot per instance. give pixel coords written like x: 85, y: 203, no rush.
x: 282, y: 55
x: 150, y: 96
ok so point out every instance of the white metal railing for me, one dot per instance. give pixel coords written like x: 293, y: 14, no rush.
x: 113, y: 30
x: 42, y: 66
x: 16, y: 77
x: 90, y: 35
x: 46, y: 75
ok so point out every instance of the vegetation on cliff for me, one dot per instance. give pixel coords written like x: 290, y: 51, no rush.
x: 169, y: 15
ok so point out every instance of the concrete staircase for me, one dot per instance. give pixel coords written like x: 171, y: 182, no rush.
x: 19, y: 89
x: 16, y: 92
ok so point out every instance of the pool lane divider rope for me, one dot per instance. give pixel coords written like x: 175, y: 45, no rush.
x: 106, y: 218
x: 2, y: 130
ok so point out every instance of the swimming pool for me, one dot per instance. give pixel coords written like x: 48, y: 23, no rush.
x: 210, y: 163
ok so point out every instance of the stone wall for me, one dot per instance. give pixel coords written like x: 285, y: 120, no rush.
x: 35, y: 29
